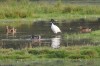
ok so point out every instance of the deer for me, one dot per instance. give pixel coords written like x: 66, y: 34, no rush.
x: 10, y: 30
x: 84, y: 29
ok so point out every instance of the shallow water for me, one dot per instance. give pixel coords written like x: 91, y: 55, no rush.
x: 23, y: 37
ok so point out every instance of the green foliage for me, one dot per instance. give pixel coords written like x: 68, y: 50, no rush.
x: 19, y: 52
x: 6, y: 51
x: 22, y: 57
x: 49, y: 53
x: 98, y: 50
x: 38, y: 52
x: 14, y: 56
x: 89, y: 52
x: 77, y: 56
x: 76, y: 52
x: 26, y: 9
x: 57, y: 54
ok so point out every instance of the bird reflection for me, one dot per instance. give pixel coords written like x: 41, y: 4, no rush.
x: 56, y: 42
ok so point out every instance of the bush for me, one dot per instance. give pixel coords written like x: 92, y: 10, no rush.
x: 49, y: 53
x: 22, y: 57
x: 34, y: 52
x: 6, y: 51
x: 77, y: 56
x: 38, y: 52
x: 19, y: 52
x: 98, y: 50
x: 57, y: 54
x: 89, y: 52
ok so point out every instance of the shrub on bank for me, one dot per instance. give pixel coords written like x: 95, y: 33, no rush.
x: 89, y: 52
x: 49, y: 53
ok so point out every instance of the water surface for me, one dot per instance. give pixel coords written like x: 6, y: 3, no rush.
x: 23, y: 37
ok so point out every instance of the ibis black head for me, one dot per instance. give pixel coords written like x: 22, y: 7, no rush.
x: 52, y: 21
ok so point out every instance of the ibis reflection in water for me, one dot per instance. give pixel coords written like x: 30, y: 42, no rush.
x: 56, y: 41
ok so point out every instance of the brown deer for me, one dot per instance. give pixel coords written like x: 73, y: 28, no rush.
x: 84, y: 29
x: 10, y: 30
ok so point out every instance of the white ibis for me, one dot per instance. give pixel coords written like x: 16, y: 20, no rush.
x: 55, y: 28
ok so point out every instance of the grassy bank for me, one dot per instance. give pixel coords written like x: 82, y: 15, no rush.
x: 43, y: 10
x: 84, y: 52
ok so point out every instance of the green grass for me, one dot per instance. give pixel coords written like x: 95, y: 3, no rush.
x: 44, y: 10
x: 49, y: 62
x: 93, y: 36
x: 75, y: 52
